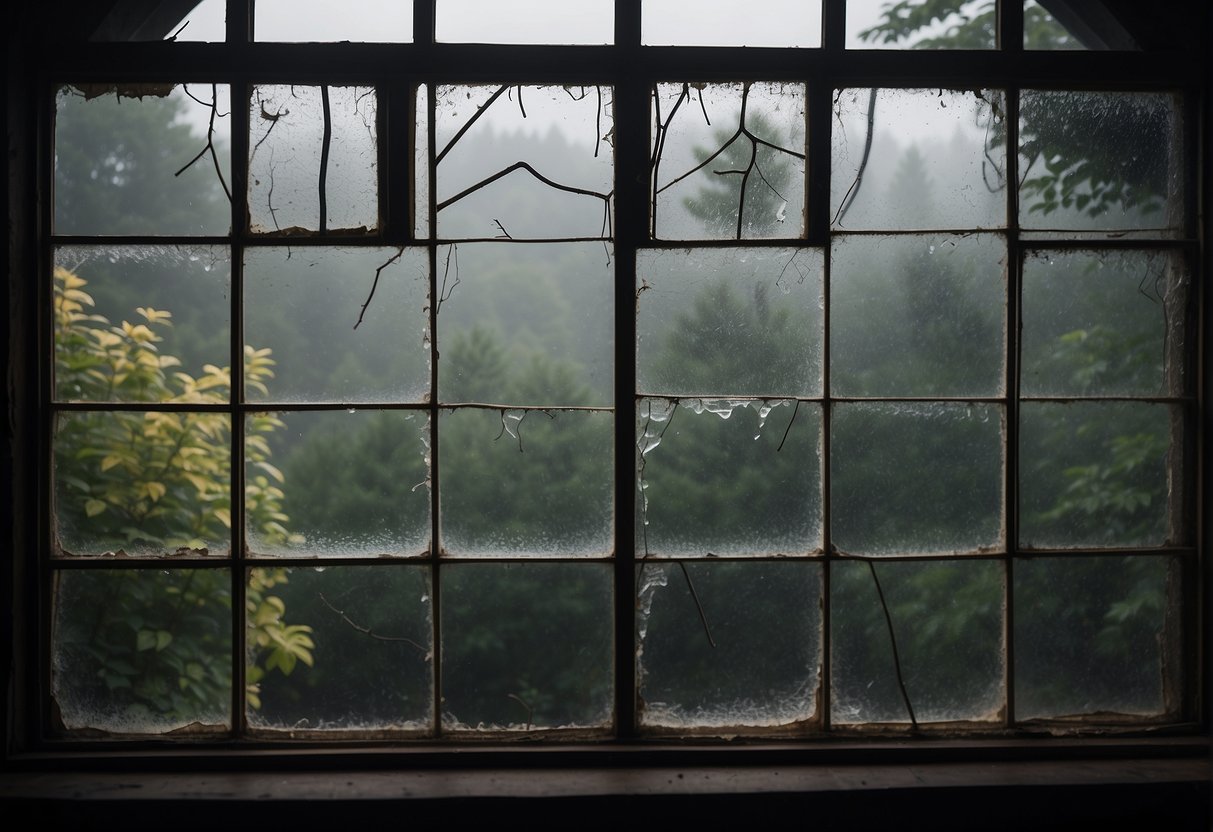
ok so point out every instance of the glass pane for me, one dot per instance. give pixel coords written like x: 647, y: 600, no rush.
x: 724, y: 645
x: 526, y: 324
x: 952, y: 24
x: 716, y: 479
x: 946, y: 618
x: 918, y: 315
x: 333, y: 484
x: 729, y: 321
x: 293, y: 172
x: 524, y: 162
x: 323, y: 21
x: 143, y: 652
x: 526, y: 646
x: 1107, y: 323
x: 520, y: 483
x: 1100, y: 474
x: 142, y: 323
x: 347, y: 648
x: 1100, y: 161
x: 123, y: 159
x: 136, y: 20
x: 142, y: 483
x: 917, y: 478
x: 723, y: 23
x: 336, y: 325
x: 1073, y: 26
x: 589, y: 22
x: 1097, y: 636
x: 728, y: 160
x: 916, y: 159
x: 421, y: 164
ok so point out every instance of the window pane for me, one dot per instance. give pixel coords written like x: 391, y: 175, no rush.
x: 1097, y: 636
x: 912, y: 478
x: 1100, y: 474
x: 1073, y: 26
x: 729, y: 477
x: 526, y: 21
x: 907, y: 159
x: 346, y: 648
x: 728, y: 645
x: 309, y: 337
x: 918, y: 315
x: 526, y: 646
x: 123, y: 159
x: 294, y: 170
x: 522, y: 483
x: 323, y: 21
x: 724, y: 23
x: 496, y: 146
x: 729, y: 160
x: 337, y: 483
x: 959, y: 24
x: 421, y: 163
x: 947, y: 620
x: 142, y: 323
x: 1104, y: 323
x: 143, y: 651
x: 142, y: 483
x: 136, y: 20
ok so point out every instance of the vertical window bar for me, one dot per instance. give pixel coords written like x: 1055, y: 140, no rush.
x: 435, y: 475
x: 1009, y: 35
x: 42, y: 294
x: 239, y: 22
x: 1011, y: 466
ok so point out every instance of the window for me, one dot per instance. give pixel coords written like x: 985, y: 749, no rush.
x: 444, y: 390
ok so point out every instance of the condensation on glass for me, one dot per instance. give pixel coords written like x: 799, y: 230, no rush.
x: 775, y: 23
x: 322, y: 21
x: 556, y: 22
x: 880, y: 24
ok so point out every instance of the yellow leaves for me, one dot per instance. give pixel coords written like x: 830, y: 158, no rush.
x: 224, y: 516
x: 70, y: 280
x: 93, y: 507
x: 153, y: 490
x: 139, y: 333
x: 155, y: 316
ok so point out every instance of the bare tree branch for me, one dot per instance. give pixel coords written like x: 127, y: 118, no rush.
x: 468, y: 124
x: 375, y: 285
x: 371, y: 633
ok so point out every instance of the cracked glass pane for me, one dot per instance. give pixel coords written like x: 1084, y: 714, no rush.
x: 340, y: 325
x: 142, y: 483
x: 1097, y: 636
x: 526, y: 324
x: 947, y: 623
x: 918, y: 315
x: 906, y: 159
x: 525, y: 483
x: 323, y: 21
x: 729, y: 477
x: 146, y: 323
x: 560, y: 22
x: 727, y: 645
x: 346, y: 648
x: 1104, y: 323
x: 1100, y: 474
x: 956, y: 24
x: 526, y: 646
x: 730, y: 321
x: 524, y: 162
x: 313, y: 159
x: 721, y: 23
x: 142, y: 159
x: 142, y: 652
x: 337, y: 483
x: 1103, y: 163
x: 917, y: 478
x: 728, y: 160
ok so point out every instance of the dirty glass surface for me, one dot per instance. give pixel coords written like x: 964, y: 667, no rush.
x: 589, y: 22
x: 780, y: 23
x: 323, y: 21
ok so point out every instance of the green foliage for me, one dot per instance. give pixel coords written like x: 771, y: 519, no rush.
x: 967, y: 24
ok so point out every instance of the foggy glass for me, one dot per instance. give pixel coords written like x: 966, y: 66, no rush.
x: 917, y: 478
x: 372, y: 664
x: 142, y: 652
x: 929, y: 159
x: 421, y: 163
x: 780, y: 23
x: 1082, y: 27
x: 729, y: 321
x: 873, y: 24
x: 526, y: 324
x: 572, y: 22
x: 565, y: 134
x: 517, y: 483
x: 743, y: 649
x: 1104, y: 323
x: 323, y: 21
x: 303, y: 304
x: 353, y: 484
x: 123, y: 160
x: 729, y: 477
x: 948, y: 623
x: 717, y: 175
x: 918, y: 315
x: 286, y: 148
x: 526, y: 646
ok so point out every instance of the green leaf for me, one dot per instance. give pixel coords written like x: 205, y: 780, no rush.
x: 145, y: 640
x: 163, y: 639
